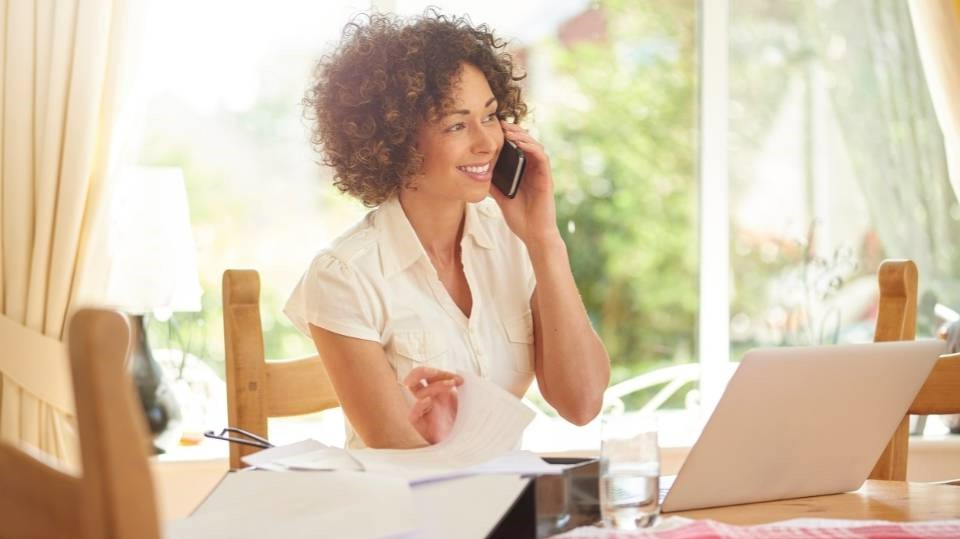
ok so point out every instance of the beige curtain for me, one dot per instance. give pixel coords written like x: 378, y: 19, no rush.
x: 58, y: 104
x: 937, y: 27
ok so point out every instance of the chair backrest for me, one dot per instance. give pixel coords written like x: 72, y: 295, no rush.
x: 258, y: 389
x: 940, y: 394
x: 113, y: 497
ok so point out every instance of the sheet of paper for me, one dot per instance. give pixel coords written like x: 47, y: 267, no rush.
x: 489, y: 423
x: 267, y: 458
x: 259, y: 504
x: 515, y: 463
x: 519, y: 463
x: 330, y: 458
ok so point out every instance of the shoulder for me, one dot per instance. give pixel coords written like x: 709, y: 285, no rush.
x: 355, y: 242
x: 353, y: 254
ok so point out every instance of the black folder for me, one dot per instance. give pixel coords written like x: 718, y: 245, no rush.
x: 552, y: 504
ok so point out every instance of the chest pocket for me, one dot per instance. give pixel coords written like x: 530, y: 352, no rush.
x: 520, y: 334
x: 418, y: 349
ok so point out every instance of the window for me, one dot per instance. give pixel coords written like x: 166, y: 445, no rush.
x: 728, y: 173
x: 612, y: 95
x: 836, y: 162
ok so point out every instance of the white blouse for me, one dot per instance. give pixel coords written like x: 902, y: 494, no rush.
x: 377, y: 283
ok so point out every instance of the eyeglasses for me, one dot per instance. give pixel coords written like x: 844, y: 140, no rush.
x: 248, y: 438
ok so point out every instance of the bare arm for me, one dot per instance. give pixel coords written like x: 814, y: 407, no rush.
x: 368, y: 391
x: 571, y: 362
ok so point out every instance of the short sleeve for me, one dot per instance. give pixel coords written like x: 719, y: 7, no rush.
x: 331, y: 296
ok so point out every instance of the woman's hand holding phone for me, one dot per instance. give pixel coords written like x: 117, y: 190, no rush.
x: 532, y: 214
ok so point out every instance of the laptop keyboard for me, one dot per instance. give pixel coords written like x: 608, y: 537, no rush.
x: 666, y: 482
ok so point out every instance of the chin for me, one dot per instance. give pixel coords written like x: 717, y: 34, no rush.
x: 477, y: 196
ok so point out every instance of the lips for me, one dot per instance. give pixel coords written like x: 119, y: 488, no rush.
x: 477, y: 170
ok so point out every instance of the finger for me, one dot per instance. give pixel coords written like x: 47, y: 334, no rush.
x: 520, y: 133
x: 415, y: 384
x: 421, y: 376
x: 420, y: 408
x: 418, y: 373
x: 435, y: 389
x: 533, y: 148
x: 523, y: 138
x: 511, y: 127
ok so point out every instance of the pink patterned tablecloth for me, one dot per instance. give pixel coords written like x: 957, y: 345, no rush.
x: 841, y: 529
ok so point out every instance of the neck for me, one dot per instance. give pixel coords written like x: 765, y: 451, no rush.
x: 437, y: 223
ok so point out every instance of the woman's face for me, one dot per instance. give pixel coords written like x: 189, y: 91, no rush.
x: 460, y: 148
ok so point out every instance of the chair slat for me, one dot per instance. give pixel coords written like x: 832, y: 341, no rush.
x: 940, y: 394
x: 298, y: 386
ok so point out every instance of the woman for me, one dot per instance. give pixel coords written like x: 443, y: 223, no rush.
x: 439, y: 278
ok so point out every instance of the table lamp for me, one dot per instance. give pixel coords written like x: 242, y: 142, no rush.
x: 152, y: 268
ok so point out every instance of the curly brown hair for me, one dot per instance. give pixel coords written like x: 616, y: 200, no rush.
x: 385, y: 79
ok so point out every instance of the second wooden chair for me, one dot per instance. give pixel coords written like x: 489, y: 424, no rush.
x: 940, y: 394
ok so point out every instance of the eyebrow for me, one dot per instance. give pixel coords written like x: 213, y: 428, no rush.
x: 465, y: 111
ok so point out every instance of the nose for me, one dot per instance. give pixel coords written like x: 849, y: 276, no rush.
x: 487, y: 140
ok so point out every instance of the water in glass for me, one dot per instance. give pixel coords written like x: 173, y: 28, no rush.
x: 629, y: 499
x: 629, y: 471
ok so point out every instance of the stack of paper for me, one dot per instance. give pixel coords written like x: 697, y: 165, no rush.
x: 367, y: 493
x: 258, y: 505
x: 304, y: 455
x: 489, y: 424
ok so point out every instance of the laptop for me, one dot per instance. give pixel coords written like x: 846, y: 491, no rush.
x: 801, y: 421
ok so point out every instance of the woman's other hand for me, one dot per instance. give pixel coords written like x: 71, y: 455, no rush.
x: 532, y: 214
x: 435, y: 408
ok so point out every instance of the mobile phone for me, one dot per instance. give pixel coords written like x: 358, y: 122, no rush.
x: 508, y: 171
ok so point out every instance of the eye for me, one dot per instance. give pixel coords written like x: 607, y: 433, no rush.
x: 492, y: 117
x: 455, y: 127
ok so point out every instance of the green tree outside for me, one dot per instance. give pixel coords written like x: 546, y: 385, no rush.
x: 624, y: 163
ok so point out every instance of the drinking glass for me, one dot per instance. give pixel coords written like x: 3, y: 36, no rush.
x: 629, y: 471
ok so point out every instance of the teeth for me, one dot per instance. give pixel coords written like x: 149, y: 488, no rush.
x: 476, y: 170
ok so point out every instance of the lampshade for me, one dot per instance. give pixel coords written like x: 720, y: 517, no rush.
x: 152, y: 255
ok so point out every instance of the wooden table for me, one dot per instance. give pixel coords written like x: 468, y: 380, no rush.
x: 876, y: 500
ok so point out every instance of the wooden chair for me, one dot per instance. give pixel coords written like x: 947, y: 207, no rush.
x: 258, y: 389
x: 940, y: 394
x: 113, y: 497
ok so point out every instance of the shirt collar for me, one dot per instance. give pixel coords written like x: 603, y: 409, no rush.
x: 474, y: 228
x: 402, y: 248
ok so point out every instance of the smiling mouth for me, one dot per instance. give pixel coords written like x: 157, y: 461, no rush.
x: 476, y: 170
